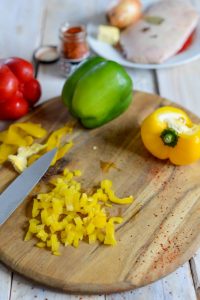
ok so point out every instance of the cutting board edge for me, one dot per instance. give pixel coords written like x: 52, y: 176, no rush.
x: 96, y: 289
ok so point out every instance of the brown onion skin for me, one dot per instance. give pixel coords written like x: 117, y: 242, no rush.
x: 125, y: 13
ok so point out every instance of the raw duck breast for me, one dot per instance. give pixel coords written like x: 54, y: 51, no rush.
x: 148, y: 42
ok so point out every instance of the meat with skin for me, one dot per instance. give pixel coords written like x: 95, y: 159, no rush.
x: 146, y: 42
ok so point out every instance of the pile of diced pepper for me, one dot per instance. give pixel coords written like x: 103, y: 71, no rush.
x: 67, y: 215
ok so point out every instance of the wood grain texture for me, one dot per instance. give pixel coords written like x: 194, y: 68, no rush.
x: 177, y: 285
x: 154, y: 242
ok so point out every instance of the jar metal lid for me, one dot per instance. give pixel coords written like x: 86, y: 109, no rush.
x: 46, y: 54
x: 65, y: 29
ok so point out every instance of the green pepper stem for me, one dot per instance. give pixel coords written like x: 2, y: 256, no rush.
x: 169, y: 137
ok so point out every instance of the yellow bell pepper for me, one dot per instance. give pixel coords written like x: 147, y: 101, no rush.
x: 20, y: 134
x: 168, y: 133
x: 61, y: 152
x: 5, y: 151
x: 55, y: 138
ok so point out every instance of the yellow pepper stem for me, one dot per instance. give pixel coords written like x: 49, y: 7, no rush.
x: 169, y: 137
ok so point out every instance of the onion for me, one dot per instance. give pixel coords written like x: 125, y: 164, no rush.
x: 125, y: 13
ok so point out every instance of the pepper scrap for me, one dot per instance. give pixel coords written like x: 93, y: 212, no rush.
x: 17, y: 144
x: 19, y: 161
x: 55, y: 141
x: 168, y: 133
x: 18, y: 134
x: 97, y: 92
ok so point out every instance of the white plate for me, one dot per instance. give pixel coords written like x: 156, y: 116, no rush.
x: 109, y: 52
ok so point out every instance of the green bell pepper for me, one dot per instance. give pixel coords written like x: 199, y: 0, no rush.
x: 97, y: 92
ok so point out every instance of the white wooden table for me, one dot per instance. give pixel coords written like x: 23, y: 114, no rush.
x: 25, y: 25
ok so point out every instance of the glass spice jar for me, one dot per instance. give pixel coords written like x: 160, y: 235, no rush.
x: 73, y: 47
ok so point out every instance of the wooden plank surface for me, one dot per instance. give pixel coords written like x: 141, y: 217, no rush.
x: 21, y: 25
x: 5, y: 282
x: 24, y: 289
x: 143, y: 80
x: 168, y: 288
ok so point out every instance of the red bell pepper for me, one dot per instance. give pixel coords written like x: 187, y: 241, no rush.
x: 19, y: 90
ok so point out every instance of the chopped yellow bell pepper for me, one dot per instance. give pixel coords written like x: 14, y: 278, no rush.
x: 17, y: 134
x: 55, y: 138
x: 110, y: 234
x: 107, y: 186
x: 32, y: 129
x: 54, y: 141
x: 168, y: 133
x: 3, y: 135
x: 16, y: 137
x: 40, y: 244
x: 66, y: 215
x: 5, y: 151
x: 33, y: 158
x: 22, y: 135
x: 61, y: 152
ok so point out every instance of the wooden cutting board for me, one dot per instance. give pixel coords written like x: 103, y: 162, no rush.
x: 160, y: 230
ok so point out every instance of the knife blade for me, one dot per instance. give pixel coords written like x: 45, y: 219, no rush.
x: 17, y: 191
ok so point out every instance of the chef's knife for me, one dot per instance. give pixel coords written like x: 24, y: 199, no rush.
x: 17, y: 191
